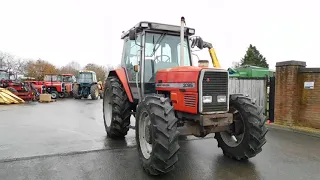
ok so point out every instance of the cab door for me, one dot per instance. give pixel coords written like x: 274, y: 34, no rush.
x: 132, y: 57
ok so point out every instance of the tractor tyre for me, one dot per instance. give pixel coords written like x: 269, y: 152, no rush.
x: 157, y: 135
x: 61, y: 95
x: 66, y: 94
x: 248, y: 130
x: 101, y: 94
x: 12, y: 90
x: 94, y: 92
x: 54, y: 94
x: 75, y: 92
x: 116, y: 109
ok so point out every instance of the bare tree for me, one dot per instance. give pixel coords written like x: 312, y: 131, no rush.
x: 6, y: 60
x: 100, y: 70
x: 72, y: 67
x: 12, y: 63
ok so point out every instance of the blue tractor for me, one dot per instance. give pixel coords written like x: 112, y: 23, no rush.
x: 86, y: 85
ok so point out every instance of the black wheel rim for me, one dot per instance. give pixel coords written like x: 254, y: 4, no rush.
x: 231, y: 138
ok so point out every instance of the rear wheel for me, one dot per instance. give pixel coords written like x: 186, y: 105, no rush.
x: 247, y: 135
x: 61, y: 95
x: 157, y: 135
x: 66, y: 94
x: 75, y: 92
x: 116, y: 109
x: 94, y: 92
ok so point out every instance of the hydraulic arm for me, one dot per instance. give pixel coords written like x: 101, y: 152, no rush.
x: 197, y: 41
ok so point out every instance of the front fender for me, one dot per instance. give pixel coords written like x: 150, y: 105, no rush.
x: 121, y: 74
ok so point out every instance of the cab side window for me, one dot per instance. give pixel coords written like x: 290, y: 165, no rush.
x: 132, y: 57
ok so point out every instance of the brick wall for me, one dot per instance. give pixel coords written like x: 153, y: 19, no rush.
x: 295, y: 105
x: 309, y: 98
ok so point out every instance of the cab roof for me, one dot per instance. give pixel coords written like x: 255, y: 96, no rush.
x: 86, y: 71
x: 158, y: 26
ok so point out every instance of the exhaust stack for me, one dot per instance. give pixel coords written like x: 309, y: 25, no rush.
x: 182, y: 41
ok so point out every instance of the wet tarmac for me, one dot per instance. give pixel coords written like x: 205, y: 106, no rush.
x: 66, y: 140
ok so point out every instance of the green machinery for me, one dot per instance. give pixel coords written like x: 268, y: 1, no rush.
x: 250, y: 72
x: 86, y: 85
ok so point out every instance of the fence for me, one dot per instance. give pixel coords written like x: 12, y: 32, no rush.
x: 256, y: 88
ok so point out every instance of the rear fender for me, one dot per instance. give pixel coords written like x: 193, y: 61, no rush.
x: 121, y: 74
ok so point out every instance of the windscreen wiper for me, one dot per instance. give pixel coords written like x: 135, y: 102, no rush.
x: 158, y: 42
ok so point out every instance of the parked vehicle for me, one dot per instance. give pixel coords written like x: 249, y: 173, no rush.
x: 25, y: 90
x: 54, y: 85
x: 69, y: 80
x: 158, y: 84
x: 86, y: 85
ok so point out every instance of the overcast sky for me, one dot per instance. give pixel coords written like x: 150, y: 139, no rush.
x: 89, y: 30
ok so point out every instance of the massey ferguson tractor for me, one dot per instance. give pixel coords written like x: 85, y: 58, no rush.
x: 54, y: 86
x: 168, y: 96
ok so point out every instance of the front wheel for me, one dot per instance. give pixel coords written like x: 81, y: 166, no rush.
x: 247, y: 133
x: 157, y: 135
x: 54, y: 94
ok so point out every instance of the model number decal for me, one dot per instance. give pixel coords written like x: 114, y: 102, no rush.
x: 188, y: 85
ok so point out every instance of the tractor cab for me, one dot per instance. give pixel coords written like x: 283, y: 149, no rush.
x: 87, y: 77
x: 4, y: 75
x: 68, y: 78
x: 52, y: 78
x: 150, y: 47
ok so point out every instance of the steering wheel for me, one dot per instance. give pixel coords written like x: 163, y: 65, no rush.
x: 157, y: 57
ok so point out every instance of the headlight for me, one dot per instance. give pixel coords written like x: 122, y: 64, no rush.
x: 207, y: 99
x: 221, y: 98
x: 144, y: 25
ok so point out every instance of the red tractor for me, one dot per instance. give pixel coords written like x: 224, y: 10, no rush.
x: 69, y: 80
x: 168, y: 96
x: 54, y: 86
x: 25, y: 90
x: 39, y: 85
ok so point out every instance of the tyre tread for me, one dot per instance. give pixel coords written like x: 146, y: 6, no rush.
x: 257, y: 130
x: 166, y: 143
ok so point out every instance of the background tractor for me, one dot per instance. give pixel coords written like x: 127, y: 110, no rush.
x: 69, y: 80
x: 86, y: 85
x: 168, y: 96
x: 54, y: 85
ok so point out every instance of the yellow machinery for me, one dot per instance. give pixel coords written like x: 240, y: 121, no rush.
x: 197, y: 41
x: 6, y: 97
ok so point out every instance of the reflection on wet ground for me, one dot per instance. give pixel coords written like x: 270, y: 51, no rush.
x: 73, y: 135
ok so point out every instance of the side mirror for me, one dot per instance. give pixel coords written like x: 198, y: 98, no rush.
x: 136, y: 68
x: 132, y: 34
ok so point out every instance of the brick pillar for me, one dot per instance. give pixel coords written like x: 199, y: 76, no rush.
x: 287, y: 92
